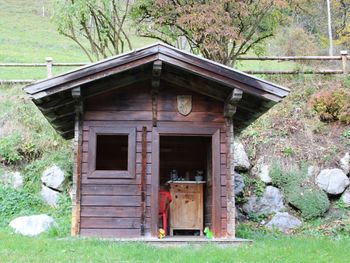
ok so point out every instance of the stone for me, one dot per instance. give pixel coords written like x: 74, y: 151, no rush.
x: 49, y: 196
x: 346, y: 197
x: 239, y: 184
x: 240, y: 157
x: 270, y: 202
x: 31, y: 225
x: 264, y: 172
x: 284, y: 222
x: 345, y: 163
x: 13, y: 179
x: 333, y: 181
x: 53, y: 177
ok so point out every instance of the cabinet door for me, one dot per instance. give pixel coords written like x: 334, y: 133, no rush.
x: 185, y: 211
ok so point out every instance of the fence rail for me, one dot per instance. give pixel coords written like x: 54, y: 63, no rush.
x: 343, y: 57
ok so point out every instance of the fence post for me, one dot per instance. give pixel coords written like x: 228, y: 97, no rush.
x: 49, y: 67
x: 344, y: 60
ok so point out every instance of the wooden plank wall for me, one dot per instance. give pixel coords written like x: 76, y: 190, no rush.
x: 112, y: 207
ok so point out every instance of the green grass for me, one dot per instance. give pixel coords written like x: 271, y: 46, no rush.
x: 15, y: 248
x: 28, y: 37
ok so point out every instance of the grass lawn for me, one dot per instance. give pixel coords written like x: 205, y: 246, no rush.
x: 15, y: 248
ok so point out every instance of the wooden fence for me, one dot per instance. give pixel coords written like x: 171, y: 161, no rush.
x: 343, y: 58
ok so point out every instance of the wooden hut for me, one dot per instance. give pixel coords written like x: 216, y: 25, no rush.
x: 147, y: 120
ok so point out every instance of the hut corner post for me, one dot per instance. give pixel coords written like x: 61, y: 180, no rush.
x: 78, y: 140
x: 229, y: 110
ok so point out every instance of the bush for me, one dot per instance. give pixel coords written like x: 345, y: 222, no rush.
x: 332, y: 104
x: 311, y: 201
x: 9, y: 148
x: 301, y: 194
x: 17, y: 203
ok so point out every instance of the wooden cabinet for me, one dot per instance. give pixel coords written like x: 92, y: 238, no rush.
x: 186, y: 209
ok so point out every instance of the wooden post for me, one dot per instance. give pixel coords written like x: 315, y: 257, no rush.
x: 344, y: 60
x: 156, y: 72
x: 143, y: 179
x: 78, y: 141
x: 49, y: 66
x: 229, y: 111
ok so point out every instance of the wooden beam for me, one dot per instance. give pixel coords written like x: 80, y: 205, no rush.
x: 77, y: 169
x: 143, y: 179
x: 230, y: 191
x: 156, y: 73
x: 230, y: 109
x: 231, y: 102
x: 54, y: 104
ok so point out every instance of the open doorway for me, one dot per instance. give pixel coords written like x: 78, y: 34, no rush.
x: 185, y: 173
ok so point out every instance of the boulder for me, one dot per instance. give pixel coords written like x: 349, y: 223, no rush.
x: 53, y: 177
x: 345, y: 163
x: 345, y: 197
x: 270, y: 202
x: 13, y: 179
x: 333, y: 181
x: 49, y: 196
x: 263, y: 173
x: 284, y: 222
x: 262, y: 170
x: 31, y: 225
x: 239, y: 183
x: 240, y: 159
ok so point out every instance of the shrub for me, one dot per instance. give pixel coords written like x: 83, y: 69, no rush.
x: 332, y: 104
x: 311, y: 201
x: 9, y: 148
x: 286, y: 180
x: 301, y: 194
x: 16, y: 203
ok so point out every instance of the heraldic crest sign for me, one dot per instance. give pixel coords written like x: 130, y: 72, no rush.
x: 184, y: 104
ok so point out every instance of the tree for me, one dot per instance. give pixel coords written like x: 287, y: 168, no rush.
x: 221, y: 30
x: 97, y: 26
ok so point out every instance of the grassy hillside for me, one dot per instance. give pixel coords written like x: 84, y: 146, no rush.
x: 27, y: 36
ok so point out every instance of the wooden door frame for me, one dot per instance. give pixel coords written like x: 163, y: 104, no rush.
x: 214, y: 133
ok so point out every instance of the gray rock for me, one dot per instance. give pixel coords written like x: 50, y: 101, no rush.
x: 346, y: 197
x: 270, y: 202
x: 240, y: 159
x: 239, y: 184
x: 264, y: 173
x: 53, y: 177
x: 13, y: 179
x: 345, y: 163
x: 284, y: 222
x: 333, y: 181
x: 261, y: 170
x: 49, y: 196
x: 31, y: 225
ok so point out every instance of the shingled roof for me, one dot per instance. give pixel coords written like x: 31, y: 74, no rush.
x: 53, y: 96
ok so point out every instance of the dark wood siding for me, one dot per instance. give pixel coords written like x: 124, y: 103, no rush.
x: 112, y: 207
